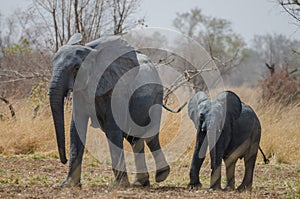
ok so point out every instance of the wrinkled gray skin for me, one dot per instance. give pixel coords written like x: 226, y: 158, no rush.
x: 66, y: 63
x: 238, y: 138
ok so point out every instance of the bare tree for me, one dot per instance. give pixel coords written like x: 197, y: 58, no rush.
x: 92, y: 18
x: 277, y: 51
x: 21, y: 65
x: 224, y: 46
x: 29, y: 37
x: 122, y: 10
x: 271, y: 68
x: 8, y: 36
x: 292, y: 7
x: 68, y: 17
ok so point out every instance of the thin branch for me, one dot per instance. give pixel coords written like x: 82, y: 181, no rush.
x: 187, y: 76
x: 17, y: 76
x: 291, y: 11
x: 10, y: 106
x: 295, y: 52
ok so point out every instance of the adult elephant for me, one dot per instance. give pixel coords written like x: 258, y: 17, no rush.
x: 232, y: 130
x: 66, y: 63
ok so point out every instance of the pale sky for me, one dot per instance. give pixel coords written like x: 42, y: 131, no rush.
x: 248, y: 17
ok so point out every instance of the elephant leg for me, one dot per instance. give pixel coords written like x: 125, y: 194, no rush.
x: 216, y: 156
x: 77, y: 143
x: 215, y: 178
x: 115, y: 142
x: 162, y: 167
x: 142, y: 176
x: 197, y: 161
x: 230, y: 177
x: 249, y: 161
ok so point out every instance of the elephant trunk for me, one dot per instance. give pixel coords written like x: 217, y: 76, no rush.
x: 57, y: 94
x: 212, y: 147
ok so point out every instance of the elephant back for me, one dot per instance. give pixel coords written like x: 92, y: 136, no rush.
x: 231, y: 103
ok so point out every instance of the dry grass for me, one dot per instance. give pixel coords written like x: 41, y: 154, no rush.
x: 25, y: 135
x: 39, y: 174
x: 280, y: 129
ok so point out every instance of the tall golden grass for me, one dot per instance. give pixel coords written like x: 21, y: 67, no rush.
x: 280, y: 128
x: 26, y: 134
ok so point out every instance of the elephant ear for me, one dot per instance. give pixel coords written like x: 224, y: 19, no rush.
x: 70, y: 55
x: 197, y: 99
x: 231, y: 104
x: 75, y: 39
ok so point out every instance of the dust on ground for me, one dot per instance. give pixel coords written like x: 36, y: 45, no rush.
x: 38, y: 176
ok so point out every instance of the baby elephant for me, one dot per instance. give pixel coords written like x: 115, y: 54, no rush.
x: 232, y: 130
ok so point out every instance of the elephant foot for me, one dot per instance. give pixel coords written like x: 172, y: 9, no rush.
x: 162, y: 174
x: 123, y: 183
x: 228, y: 188
x: 244, y: 187
x: 121, y: 179
x: 138, y: 183
x: 215, y: 188
x: 141, y: 180
x: 70, y: 183
x: 196, y: 185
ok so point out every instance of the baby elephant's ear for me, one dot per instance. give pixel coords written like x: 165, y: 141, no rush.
x: 75, y: 39
x: 194, y: 102
x: 231, y: 103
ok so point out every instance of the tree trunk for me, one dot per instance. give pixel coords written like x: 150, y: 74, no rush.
x: 77, y: 23
x: 55, y: 28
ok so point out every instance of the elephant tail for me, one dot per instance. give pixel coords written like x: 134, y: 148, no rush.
x: 266, y: 160
x: 172, y: 111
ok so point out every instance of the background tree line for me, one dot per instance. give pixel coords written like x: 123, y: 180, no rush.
x: 29, y: 38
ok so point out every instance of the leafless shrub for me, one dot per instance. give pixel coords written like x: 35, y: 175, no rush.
x: 281, y: 87
x: 20, y: 72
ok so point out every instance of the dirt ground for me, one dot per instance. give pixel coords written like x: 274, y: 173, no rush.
x: 38, y: 176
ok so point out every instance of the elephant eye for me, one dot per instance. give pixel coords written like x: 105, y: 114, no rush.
x: 202, y: 117
x: 75, y: 70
